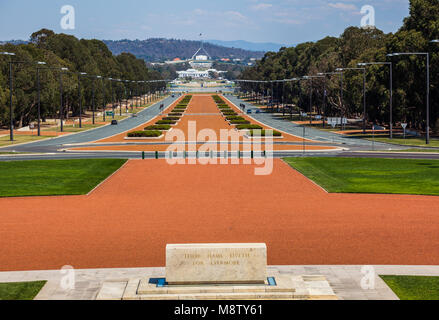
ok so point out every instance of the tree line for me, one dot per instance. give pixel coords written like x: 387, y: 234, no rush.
x: 65, y: 51
x: 358, y: 45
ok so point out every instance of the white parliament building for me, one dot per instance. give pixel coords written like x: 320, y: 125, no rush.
x: 201, y: 67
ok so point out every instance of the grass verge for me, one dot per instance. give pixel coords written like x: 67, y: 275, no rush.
x: 417, y: 142
x: 20, y: 290
x: 4, y: 141
x: 54, y: 177
x: 370, y: 175
x: 413, y: 287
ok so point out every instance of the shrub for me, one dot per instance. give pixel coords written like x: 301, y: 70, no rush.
x: 158, y: 127
x: 234, y: 118
x: 145, y: 134
x: 240, y: 122
x: 171, y: 118
x: 263, y: 133
x: 248, y: 126
x: 175, y: 114
x: 165, y: 122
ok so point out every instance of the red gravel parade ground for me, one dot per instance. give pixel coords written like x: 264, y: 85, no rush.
x: 129, y: 219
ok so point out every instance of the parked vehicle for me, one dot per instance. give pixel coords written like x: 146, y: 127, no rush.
x: 114, y: 123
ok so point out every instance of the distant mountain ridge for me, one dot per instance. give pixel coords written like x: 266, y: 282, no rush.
x: 251, y: 46
x: 159, y: 49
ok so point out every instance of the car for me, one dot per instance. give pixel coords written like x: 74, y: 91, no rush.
x: 173, y: 95
x: 114, y: 123
x: 134, y: 115
x: 249, y: 111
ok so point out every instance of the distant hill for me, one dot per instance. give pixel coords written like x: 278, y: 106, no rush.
x: 252, y: 46
x: 14, y: 42
x: 158, y: 50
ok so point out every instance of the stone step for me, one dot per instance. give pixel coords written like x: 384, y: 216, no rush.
x: 225, y: 296
x: 212, y: 289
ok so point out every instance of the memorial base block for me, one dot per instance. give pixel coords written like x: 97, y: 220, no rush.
x: 288, y: 287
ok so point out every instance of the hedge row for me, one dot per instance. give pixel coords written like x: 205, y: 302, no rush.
x: 159, y: 127
x: 248, y: 127
x: 171, y: 118
x: 166, y: 122
x: 218, y: 100
x: 263, y: 133
x: 240, y: 122
x: 234, y: 118
x: 145, y: 134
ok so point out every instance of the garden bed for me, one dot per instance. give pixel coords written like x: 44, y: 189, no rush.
x: 141, y: 135
x: 161, y: 127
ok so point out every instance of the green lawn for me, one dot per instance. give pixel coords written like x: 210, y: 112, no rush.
x: 418, y: 142
x: 416, y: 150
x: 367, y: 175
x: 413, y: 287
x: 54, y: 177
x: 20, y: 290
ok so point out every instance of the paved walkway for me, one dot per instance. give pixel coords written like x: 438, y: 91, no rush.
x: 344, y: 280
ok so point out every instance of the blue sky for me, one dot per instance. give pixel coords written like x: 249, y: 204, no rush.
x: 281, y: 21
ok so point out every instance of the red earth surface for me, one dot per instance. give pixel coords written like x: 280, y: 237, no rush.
x: 128, y: 220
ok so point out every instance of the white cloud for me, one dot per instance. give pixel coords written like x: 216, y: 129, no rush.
x: 262, y: 6
x: 343, y: 6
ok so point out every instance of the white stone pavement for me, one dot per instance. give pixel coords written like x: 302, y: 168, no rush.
x: 344, y: 280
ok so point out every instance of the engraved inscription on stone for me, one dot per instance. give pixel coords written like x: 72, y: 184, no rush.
x: 216, y: 263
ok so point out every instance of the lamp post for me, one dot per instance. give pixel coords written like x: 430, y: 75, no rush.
x: 112, y: 95
x: 104, y: 101
x: 427, y: 137
x: 39, y: 97
x: 293, y: 80
x: 390, y: 64
x: 61, y: 108
x: 310, y: 93
x: 364, y: 92
x: 80, y: 97
x: 341, y: 86
x: 93, y: 96
x: 11, y: 133
x: 118, y: 98
x: 39, y: 90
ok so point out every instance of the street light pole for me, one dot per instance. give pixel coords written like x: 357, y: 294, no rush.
x: 80, y: 97
x: 427, y: 135
x: 39, y: 98
x: 11, y: 89
x: 390, y: 64
x: 364, y: 92
x: 341, y: 88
